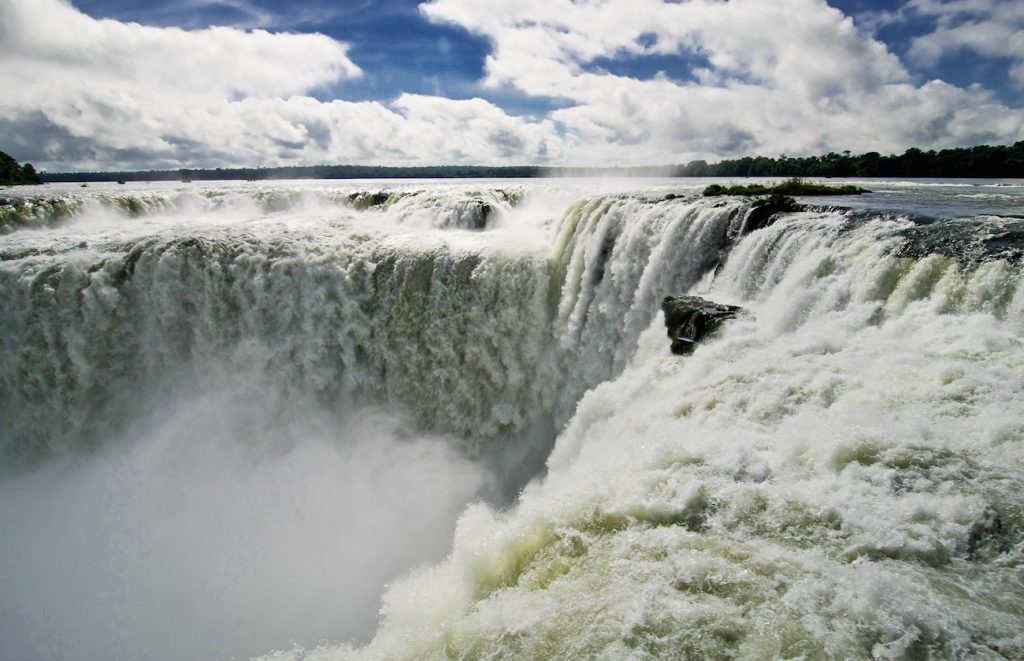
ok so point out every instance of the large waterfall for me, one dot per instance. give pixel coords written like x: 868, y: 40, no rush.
x: 442, y: 420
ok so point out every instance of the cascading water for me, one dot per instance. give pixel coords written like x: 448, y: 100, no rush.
x: 312, y: 307
x: 616, y: 257
x: 230, y: 417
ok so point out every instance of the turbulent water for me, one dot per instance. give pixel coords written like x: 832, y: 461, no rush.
x: 429, y: 419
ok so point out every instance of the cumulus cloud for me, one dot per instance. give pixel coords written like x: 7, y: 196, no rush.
x: 56, y: 44
x: 90, y: 93
x: 791, y: 76
x: 992, y: 28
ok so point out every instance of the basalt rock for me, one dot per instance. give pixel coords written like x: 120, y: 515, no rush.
x: 968, y: 240
x: 477, y: 214
x: 764, y: 211
x: 690, y: 319
x: 363, y: 201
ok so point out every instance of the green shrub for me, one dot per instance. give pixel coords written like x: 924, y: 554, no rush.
x: 790, y: 187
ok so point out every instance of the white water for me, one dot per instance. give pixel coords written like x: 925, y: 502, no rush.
x: 294, y: 410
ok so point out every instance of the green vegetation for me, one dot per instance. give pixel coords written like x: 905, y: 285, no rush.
x: 973, y: 162
x: 305, y: 172
x: 970, y: 162
x: 790, y: 187
x: 777, y: 203
x: 12, y: 174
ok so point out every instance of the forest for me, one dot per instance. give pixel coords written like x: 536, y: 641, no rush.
x: 984, y: 161
x: 13, y: 174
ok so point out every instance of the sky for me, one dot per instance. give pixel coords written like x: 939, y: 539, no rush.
x: 154, y: 84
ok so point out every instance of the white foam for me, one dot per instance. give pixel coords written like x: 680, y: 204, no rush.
x: 835, y: 475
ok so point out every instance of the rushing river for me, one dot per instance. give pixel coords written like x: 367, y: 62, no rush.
x: 434, y: 419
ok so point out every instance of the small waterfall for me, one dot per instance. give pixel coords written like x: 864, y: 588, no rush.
x: 616, y: 258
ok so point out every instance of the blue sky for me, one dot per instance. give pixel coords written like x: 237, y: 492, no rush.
x: 401, y: 51
x: 397, y: 48
x: 249, y: 82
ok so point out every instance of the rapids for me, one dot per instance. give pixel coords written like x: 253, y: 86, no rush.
x: 247, y: 417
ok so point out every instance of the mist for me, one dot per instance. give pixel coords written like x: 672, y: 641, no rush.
x: 221, y: 526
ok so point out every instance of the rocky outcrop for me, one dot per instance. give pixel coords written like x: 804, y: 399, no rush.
x: 690, y: 319
x: 473, y: 214
x: 970, y: 241
x: 764, y: 211
x: 365, y: 200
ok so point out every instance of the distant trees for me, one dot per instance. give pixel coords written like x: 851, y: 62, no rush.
x: 305, y: 172
x: 978, y: 162
x: 12, y: 174
x: 968, y: 162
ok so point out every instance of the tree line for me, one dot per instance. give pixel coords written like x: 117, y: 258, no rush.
x: 983, y: 161
x: 303, y: 172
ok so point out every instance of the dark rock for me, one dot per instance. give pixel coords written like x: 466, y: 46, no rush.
x: 690, y: 319
x: 363, y: 201
x: 471, y: 214
x: 764, y: 211
x: 970, y: 241
x: 479, y: 220
x: 989, y: 537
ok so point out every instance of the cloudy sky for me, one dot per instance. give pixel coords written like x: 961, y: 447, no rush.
x: 118, y: 84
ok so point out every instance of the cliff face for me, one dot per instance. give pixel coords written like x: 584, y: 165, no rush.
x: 13, y: 174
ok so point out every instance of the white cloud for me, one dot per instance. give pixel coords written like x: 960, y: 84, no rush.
x: 89, y: 93
x: 792, y: 76
x: 789, y: 75
x: 56, y: 44
x: 992, y: 28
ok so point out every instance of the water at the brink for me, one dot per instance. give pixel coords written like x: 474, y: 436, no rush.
x: 370, y: 420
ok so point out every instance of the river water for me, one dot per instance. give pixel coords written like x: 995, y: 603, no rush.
x: 440, y: 418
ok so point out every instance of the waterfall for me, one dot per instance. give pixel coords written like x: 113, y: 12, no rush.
x: 234, y: 417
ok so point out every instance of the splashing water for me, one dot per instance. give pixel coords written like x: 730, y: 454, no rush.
x: 227, y: 427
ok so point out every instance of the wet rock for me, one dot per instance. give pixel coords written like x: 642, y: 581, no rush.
x: 477, y: 214
x: 765, y: 211
x: 970, y: 241
x: 361, y: 201
x: 990, y: 537
x: 690, y: 319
